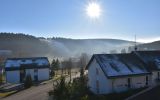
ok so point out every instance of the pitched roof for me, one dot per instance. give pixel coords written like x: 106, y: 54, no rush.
x: 151, y: 58
x: 118, y: 65
x: 19, y: 62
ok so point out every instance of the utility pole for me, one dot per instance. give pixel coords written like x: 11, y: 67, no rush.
x: 135, y: 48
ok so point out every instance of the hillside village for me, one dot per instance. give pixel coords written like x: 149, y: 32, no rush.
x: 79, y: 49
x: 111, y: 74
x: 98, y: 74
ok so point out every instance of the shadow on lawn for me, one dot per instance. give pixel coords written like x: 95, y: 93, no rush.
x: 115, y: 96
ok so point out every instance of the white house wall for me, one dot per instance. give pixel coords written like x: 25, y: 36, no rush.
x: 43, y: 74
x: 13, y: 76
x: 104, y: 83
x: 115, y: 84
x: 92, y: 76
x: 138, y: 81
x: 121, y: 84
x: 154, y: 77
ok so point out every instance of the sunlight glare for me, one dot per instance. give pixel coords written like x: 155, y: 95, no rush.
x: 93, y: 10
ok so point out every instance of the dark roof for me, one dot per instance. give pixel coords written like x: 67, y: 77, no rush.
x: 118, y: 65
x: 17, y: 63
x: 31, y: 58
x: 151, y: 58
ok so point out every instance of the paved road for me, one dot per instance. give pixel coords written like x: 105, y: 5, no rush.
x: 153, y: 94
x: 35, y: 93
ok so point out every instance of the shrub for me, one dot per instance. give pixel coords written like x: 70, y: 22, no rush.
x: 1, y: 78
x: 61, y: 90
x: 76, y: 90
x: 52, y: 73
x: 28, y: 81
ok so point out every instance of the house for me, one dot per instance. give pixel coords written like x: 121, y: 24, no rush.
x: 152, y: 60
x: 110, y: 73
x: 18, y: 68
x: 1, y: 74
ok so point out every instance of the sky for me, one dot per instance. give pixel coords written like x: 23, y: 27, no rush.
x: 119, y: 19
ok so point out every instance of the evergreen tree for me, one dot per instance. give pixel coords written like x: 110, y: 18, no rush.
x: 83, y: 60
x: 123, y: 51
x: 57, y: 64
x: 52, y: 67
x: 28, y: 81
x: 70, y: 65
x: 61, y: 90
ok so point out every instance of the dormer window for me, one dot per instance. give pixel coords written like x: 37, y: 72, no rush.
x: 23, y: 60
x: 33, y: 60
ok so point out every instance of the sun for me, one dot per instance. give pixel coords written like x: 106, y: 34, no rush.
x: 93, y: 10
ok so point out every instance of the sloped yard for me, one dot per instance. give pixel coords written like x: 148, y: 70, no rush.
x: 116, y: 96
x: 153, y: 94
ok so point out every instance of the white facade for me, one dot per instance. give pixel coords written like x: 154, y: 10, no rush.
x: 155, y: 76
x: 43, y: 74
x: 13, y: 76
x: 109, y: 73
x: 100, y: 84
x: 105, y: 85
x: 18, y: 68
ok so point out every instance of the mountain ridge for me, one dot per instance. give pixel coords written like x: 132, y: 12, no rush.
x: 28, y: 45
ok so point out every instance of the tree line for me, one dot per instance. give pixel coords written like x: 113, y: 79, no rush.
x: 66, y: 66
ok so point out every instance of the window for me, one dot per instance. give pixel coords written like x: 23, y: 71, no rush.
x: 33, y: 60
x: 114, y: 66
x: 158, y: 75
x: 97, y: 71
x: 129, y: 82
x: 23, y: 60
x: 120, y: 85
x: 146, y: 80
x: 35, y: 70
x: 97, y: 86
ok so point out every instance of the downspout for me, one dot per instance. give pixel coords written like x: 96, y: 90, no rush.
x: 112, y: 85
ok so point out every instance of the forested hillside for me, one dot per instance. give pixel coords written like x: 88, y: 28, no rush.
x: 23, y: 45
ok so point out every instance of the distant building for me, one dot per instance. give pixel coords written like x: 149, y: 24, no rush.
x: 4, y: 54
x: 1, y: 71
x: 110, y: 73
x: 18, y: 68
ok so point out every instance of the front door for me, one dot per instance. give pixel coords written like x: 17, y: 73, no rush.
x: 146, y: 80
x: 158, y: 75
x: 129, y: 82
x: 22, y: 75
x: 35, y: 74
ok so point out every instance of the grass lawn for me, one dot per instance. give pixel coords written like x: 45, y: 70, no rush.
x: 115, y: 96
x: 7, y: 93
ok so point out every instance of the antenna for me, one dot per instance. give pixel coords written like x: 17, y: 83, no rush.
x: 135, y: 44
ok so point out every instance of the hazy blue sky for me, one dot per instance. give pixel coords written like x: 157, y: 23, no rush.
x: 67, y: 18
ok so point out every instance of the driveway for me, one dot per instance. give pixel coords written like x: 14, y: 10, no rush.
x: 33, y: 93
